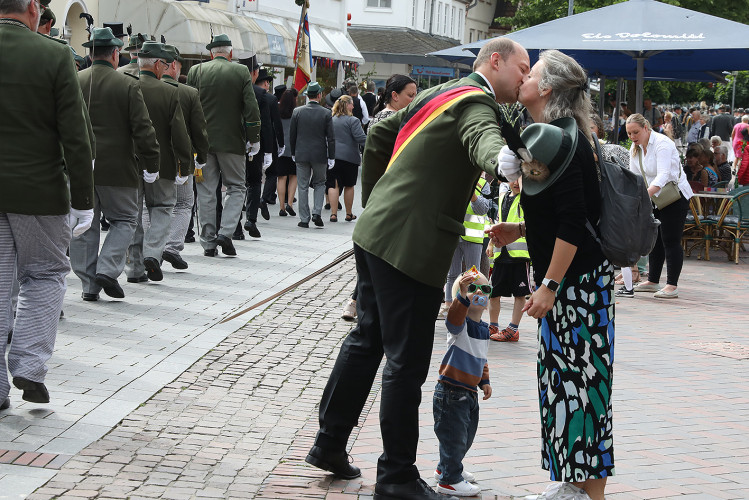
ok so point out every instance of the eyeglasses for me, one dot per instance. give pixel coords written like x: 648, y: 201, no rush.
x: 485, y: 289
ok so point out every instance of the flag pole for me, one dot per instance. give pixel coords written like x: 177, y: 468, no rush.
x: 305, y: 6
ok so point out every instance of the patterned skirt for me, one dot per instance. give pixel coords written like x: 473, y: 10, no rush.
x: 575, y: 369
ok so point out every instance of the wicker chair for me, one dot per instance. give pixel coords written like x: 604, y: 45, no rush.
x: 698, y: 230
x: 733, y: 224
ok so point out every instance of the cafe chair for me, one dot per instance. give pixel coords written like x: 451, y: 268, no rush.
x: 721, y: 184
x: 696, y: 186
x: 698, y: 230
x: 733, y: 224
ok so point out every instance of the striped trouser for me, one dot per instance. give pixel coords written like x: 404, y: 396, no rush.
x: 33, y: 249
x: 181, y: 217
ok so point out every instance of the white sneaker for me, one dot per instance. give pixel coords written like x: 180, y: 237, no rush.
x: 349, y: 311
x: 466, y: 475
x: 461, y: 489
x: 560, y: 491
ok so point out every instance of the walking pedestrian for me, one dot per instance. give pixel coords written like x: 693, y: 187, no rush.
x: 286, y: 168
x: 349, y: 136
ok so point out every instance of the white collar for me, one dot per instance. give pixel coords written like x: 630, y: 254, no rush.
x: 487, y: 82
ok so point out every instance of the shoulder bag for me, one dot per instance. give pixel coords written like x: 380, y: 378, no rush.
x: 668, y: 193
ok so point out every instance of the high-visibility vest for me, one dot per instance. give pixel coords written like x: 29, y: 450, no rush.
x: 519, y: 247
x: 475, y: 224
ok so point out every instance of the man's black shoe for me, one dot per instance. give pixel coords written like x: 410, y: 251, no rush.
x: 175, y: 260
x: 153, y: 269
x: 303, y: 224
x: 34, y: 392
x: 90, y: 297
x: 110, y: 286
x: 252, y: 229
x: 290, y: 210
x: 412, y: 490
x: 138, y: 279
x: 5, y: 405
x: 226, y: 245
x: 264, y: 210
x: 210, y: 252
x: 189, y: 239
x: 317, y: 220
x: 335, y: 462
x: 237, y: 236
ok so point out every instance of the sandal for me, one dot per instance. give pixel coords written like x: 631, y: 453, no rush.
x: 333, y: 218
x: 350, y: 217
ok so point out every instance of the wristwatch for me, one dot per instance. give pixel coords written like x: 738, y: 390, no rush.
x: 550, y: 284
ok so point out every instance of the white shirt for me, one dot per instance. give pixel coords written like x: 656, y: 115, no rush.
x: 364, y: 111
x: 661, y: 163
x: 487, y: 82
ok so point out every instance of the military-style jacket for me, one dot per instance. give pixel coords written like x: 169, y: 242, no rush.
x: 192, y: 111
x: 43, y: 136
x: 162, y: 101
x: 130, y: 68
x: 229, y: 104
x: 118, y: 113
x: 271, y: 128
x: 419, y: 201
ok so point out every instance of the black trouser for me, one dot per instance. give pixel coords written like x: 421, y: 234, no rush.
x: 269, y: 188
x: 253, y: 181
x: 396, y: 317
x: 668, y: 245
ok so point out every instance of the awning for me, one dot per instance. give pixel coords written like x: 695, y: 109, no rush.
x: 270, y: 41
x: 343, y: 45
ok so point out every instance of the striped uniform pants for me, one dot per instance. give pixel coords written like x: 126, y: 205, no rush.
x: 32, y: 248
x: 181, y: 217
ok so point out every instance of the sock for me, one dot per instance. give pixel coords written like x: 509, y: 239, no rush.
x: 627, y: 277
x: 494, y: 324
x: 513, y: 327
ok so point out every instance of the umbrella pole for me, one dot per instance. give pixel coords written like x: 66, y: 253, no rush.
x: 617, y: 107
x: 601, y: 95
x: 638, y: 88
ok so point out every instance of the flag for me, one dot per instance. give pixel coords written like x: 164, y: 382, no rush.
x: 302, y: 53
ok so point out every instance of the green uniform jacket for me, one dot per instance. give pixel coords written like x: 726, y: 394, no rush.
x: 130, y: 68
x: 43, y: 133
x: 162, y: 101
x: 229, y: 103
x: 118, y: 113
x: 414, y: 211
x: 192, y: 110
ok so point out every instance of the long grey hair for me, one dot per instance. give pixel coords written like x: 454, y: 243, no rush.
x: 568, y: 83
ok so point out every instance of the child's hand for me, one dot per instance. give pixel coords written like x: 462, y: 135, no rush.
x: 487, y: 391
x: 465, y: 280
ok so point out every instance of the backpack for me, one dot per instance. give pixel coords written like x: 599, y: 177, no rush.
x: 627, y: 228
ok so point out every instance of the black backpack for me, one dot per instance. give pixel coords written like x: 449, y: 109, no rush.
x: 627, y: 228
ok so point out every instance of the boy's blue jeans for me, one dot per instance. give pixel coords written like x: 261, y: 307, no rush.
x: 456, y: 418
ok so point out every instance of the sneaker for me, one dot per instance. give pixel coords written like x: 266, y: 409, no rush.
x: 466, y: 476
x: 443, y: 311
x: 349, y: 311
x: 623, y: 292
x: 493, y: 332
x: 461, y: 489
x: 506, y: 335
x: 647, y: 287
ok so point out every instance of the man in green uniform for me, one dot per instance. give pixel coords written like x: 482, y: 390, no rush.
x: 44, y: 146
x: 233, y: 119
x: 133, y: 47
x: 419, y: 170
x: 159, y: 190
x: 122, y: 129
x: 192, y: 110
x: 47, y: 20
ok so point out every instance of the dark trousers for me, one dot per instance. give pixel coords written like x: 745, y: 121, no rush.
x: 191, y: 226
x: 396, y: 318
x: 269, y: 188
x: 253, y: 181
x: 668, y: 245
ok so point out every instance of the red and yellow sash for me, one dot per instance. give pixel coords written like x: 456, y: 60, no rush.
x: 429, y: 110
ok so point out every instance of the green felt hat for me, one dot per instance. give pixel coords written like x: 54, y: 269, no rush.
x: 135, y: 42
x: 221, y: 40
x: 313, y: 89
x: 47, y: 15
x: 155, y: 50
x: 174, y: 51
x: 552, y: 146
x: 103, y: 37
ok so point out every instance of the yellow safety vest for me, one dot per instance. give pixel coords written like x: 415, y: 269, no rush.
x: 519, y: 247
x: 475, y: 224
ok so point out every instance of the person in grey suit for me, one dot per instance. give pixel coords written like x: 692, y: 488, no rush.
x: 312, y: 143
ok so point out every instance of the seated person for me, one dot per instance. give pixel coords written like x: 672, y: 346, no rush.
x: 706, y: 159
x: 692, y: 166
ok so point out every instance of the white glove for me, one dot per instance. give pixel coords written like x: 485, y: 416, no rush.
x: 509, y: 164
x: 93, y: 164
x: 281, y: 150
x: 179, y: 180
x: 80, y: 220
x: 267, y: 161
x: 149, y: 177
x: 293, y: 158
x: 254, y: 148
x: 331, y: 164
x: 199, y: 165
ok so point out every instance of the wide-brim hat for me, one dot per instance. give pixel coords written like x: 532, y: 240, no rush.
x: 155, y: 50
x: 103, y: 37
x: 221, y: 40
x: 117, y: 28
x: 263, y: 75
x: 552, y: 146
x: 135, y: 42
x: 333, y: 96
x: 174, y: 51
x: 49, y: 15
x: 313, y: 89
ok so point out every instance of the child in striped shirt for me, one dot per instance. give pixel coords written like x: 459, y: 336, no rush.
x: 463, y: 369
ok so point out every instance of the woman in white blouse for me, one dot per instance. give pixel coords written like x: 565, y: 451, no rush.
x: 660, y: 162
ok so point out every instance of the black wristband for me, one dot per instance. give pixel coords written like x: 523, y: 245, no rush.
x: 463, y: 300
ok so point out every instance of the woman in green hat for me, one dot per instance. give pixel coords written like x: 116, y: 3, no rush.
x: 573, y: 301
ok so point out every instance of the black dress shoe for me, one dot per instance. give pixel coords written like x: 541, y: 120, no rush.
x: 237, y: 236
x: 34, y: 392
x: 252, y: 229
x: 335, y: 462
x: 264, y: 210
x: 303, y: 224
x: 153, y: 269
x: 327, y: 206
x: 189, y: 239
x: 226, y: 245
x: 90, y: 297
x: 412, y: 490
x: 5, y: 404
x: 290, y: 210
x: 317, y: 220
x: 175, y: 260
x: 138, y: 279
x: 110, y: 286
x: 282, y: 213
x: 210, y: 252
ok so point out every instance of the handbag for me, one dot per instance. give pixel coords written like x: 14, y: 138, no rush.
x: 668, y: 193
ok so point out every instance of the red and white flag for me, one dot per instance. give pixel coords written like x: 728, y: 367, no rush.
x: 303, y: 53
